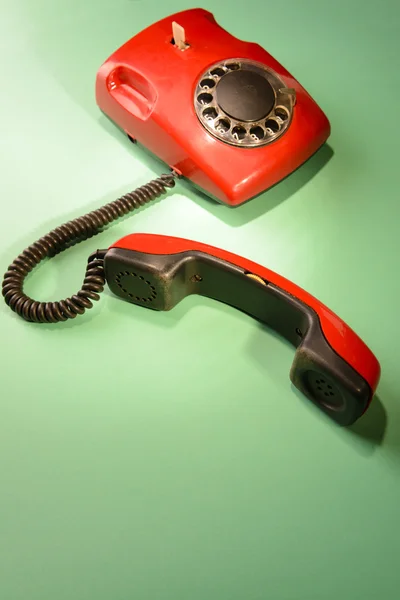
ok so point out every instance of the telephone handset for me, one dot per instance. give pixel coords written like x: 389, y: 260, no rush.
x: 332, y: 365
x: 219, y: 111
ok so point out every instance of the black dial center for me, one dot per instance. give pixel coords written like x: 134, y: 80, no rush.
x: 245, y: 95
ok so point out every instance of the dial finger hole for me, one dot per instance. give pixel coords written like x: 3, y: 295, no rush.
x: 281, y: 113
x: 257, y: 133
x: 272, y: 126
x: 207, y: 84
x: 238, y: 133
x: 218, y: 72
x: 210, y: 113
x: 233, y: 66
x: 204, y: 99
x: 223, y: 125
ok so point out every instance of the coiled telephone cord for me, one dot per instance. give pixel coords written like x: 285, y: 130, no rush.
x: 63, y: 237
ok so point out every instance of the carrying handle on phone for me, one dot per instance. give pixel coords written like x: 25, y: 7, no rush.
x: 132, y: 91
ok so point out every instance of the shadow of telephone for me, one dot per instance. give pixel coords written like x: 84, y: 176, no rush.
x: 225, y: 115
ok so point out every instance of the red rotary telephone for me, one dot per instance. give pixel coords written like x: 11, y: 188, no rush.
x: 219, y: 111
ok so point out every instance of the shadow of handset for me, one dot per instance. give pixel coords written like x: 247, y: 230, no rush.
x: 371, y: 427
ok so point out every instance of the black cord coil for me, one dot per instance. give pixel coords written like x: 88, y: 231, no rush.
x: 64, y: 237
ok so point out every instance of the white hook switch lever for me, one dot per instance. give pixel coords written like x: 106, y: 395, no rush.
x: 178, y: 33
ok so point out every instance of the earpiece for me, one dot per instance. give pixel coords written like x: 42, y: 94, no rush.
x: 332, y: 366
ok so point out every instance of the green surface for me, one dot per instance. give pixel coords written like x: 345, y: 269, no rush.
x: 123, y: 477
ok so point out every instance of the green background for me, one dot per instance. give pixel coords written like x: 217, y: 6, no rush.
x: 165, y: 456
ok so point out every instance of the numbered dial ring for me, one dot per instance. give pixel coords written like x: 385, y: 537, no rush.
x: 243, y: 103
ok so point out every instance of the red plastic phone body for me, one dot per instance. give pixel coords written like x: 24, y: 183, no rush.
x: 342, y: 339
x: 146, y: 87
